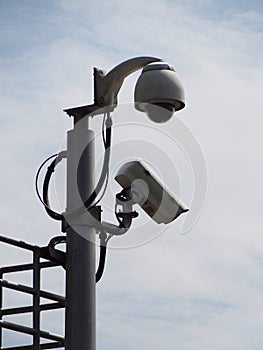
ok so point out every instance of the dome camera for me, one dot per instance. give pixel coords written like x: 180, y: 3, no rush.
x: 159, y: 92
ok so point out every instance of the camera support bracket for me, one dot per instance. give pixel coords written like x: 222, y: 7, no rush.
x: 107, y: 86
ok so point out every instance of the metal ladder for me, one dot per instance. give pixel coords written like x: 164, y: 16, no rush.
x: 43, y: 258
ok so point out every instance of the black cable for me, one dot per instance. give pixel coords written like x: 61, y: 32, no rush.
x: 124, y: 218
x: 103, y: 249
x: 57, y: 240
x: 103, y: 192
x: 104, y: 239
x: 104, y: 176
x: 105, y: 167
x: 37, y: 177
x: 45, y: 199
x: 54, y: 215
x: 102, y: 129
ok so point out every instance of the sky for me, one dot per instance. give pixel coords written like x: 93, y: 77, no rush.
x: 163, y: 287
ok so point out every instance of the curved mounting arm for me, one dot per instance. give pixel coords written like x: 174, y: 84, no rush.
x: 107, y: 86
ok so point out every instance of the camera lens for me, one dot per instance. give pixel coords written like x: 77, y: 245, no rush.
x: 159, y: 112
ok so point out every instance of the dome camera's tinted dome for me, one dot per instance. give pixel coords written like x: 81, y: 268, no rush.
x: 159, y: 112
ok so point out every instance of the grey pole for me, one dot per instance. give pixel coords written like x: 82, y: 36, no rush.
x: 80, y: 255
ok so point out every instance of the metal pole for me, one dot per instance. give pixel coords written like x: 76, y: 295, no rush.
x: 80, y: 255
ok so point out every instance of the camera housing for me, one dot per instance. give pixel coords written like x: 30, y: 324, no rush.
x: 159, y: 92
x: 147, y: 190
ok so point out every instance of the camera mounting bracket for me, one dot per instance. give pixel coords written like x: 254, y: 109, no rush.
x: 107, y: 86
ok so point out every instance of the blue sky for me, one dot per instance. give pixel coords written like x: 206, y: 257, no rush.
x: 201, y: 290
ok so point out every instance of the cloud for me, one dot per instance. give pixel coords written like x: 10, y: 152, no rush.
x: 195, y: 291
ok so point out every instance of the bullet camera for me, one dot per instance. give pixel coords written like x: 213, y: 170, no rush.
x: 149, y: 192
x: 159, y: 92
